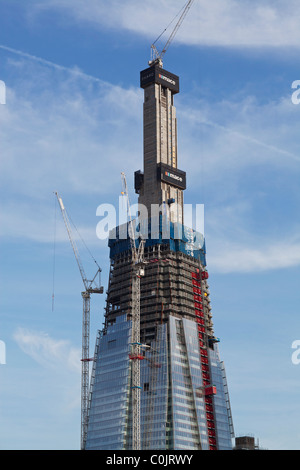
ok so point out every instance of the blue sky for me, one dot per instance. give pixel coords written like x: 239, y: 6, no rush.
x: 73, y: 121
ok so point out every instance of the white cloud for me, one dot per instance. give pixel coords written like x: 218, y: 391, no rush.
x: 221, y: 23
x: 76, y: 139
x: 253, y: 257
x: 36, y: 221
x: 63, y: 131
x: 47, y: 351
x: 50, y: 391
x: 65, y: 134
x: 73, y: 71
x: 235, y: 134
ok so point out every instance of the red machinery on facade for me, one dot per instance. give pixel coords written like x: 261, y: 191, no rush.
x: 209, y: 389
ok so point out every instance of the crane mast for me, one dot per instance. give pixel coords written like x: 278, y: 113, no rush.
x: 135, y: 353
x: 156, y: 56
x: 91, y: 287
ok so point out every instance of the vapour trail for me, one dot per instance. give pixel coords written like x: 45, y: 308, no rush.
x: 250, y: 139
x: 86, y: 76
x: 48, y: 63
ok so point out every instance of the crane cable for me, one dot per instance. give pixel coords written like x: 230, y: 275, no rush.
x: 54, y: 256
x: 170, y: 24
x: 87, y: 248
x: 54, y: 250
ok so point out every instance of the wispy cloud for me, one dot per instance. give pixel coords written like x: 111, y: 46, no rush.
x: 250, y: 139
x: 48, y: 352
x: 70, y: 133
x: 77, y: 139
x: 234, y: 257
x: 220, y: 23
x: 52, y: 382
x: 74, y: 70
x: 234, y: 133
x: 62, y: 135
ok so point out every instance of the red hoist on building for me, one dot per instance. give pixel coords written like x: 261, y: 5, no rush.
x: 138, y: 265
x: 208, y: 390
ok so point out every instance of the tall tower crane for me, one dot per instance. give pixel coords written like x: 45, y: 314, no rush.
x: 135, y: 354
x: 90, y: 287
x: 156, y: 56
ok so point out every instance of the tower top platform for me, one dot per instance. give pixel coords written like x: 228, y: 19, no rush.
x: 156, y: 74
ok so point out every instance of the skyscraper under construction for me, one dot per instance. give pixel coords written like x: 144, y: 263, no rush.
x: 183, y: 400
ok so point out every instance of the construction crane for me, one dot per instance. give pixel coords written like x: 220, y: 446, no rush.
x: 90, y: 287
x: 135, y: 354
x: 156, y: 56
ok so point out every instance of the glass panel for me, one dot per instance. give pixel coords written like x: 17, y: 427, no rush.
x: 108, y: 414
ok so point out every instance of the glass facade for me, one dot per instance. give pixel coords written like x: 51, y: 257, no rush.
x: 221, y: 401
x: 173, y: 414
x: 188, y: 410
x: 108, y: 414
x: 189, y: 425
x: 154, y: 394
